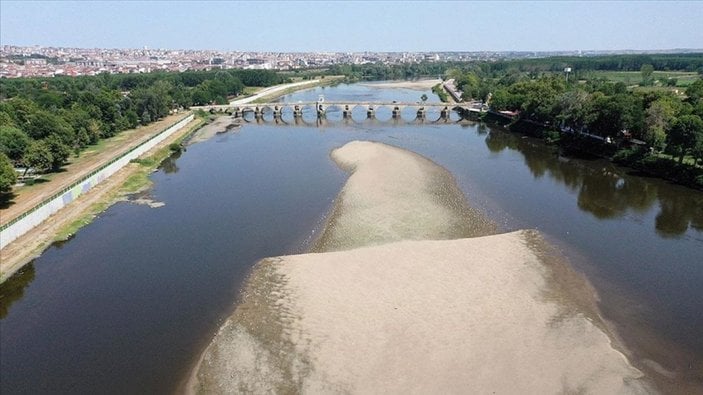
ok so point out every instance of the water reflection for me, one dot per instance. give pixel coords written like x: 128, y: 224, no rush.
x: 678, y: 213
x: 13, y: 288
x: 604, y: 190
x: 169, y: 165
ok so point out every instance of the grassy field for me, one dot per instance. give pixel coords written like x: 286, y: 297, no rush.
x: 683, y: 78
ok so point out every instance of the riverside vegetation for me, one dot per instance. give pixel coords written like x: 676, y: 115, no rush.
x: 45, y: 120
x: 654, y: 125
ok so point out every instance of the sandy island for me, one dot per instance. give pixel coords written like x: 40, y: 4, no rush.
x: 389, y: 312
x: 414, y: 84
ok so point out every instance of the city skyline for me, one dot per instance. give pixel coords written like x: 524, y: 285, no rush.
x: 268, y: 26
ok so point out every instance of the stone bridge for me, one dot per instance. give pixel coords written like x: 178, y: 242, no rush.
x: 321, y: 107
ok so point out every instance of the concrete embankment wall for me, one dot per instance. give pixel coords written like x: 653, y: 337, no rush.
x: 36, y: 215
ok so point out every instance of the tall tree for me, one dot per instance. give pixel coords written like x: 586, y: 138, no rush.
x: 8, y: 176
x: 685, y: 136
x: 647, y: 70
x: 38, y: 157
x: 13, y: 142
x: 659, y: 116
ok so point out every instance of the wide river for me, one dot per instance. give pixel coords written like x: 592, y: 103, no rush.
x: 130, y: 302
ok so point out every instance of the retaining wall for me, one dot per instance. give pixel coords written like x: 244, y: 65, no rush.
x: 37, y: 214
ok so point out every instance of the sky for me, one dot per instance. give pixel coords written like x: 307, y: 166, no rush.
x: 354, y: 26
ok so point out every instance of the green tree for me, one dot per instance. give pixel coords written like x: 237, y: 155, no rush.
x: 38, y: 157
x: 8, y: 176
x: 571, y: 109
x: 695, y: 91
x: 43, y: 124
x: 659, y: 116
x: 647, y: 70
x: 685, y: 136
x: 13, y: 142
x: 59, y: 151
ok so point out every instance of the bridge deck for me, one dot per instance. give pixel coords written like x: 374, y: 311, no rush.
x: 351, y: 104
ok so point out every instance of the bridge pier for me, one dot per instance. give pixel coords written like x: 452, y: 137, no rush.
x: 237, y: 113
x: 396, y: 112
x: 444, y: 114
x: 320, y: 110
x: 297, y: 112
x: 346, y: 113
x: 277, y: 113
x: 421, y: 113
x: 370, y: 113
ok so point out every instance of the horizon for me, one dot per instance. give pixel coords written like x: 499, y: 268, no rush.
x: 598, y: 51
x: 335, y: 27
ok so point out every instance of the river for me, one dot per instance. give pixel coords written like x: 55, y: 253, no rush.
x: 129, y: 302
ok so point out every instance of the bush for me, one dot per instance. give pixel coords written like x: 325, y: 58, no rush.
x: 175, y: 147
x: 628, y: 156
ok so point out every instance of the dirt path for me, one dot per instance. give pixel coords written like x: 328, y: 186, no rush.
x: 32, y: 244
x: 26, y: 197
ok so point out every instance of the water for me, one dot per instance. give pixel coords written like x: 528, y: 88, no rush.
x: 128, y: 303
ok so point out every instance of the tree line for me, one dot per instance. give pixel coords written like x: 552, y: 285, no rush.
x: 45, y: 120
x: 666, y: 122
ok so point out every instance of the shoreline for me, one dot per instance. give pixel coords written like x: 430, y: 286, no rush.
x: 82, y: 211
x: 429, y: 308
x: 421, y: 84
x: 60, y: 226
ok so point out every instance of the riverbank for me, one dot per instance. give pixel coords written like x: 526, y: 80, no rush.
x: 130, y: 179
x: 414, y: 84
x: 63, y: 224
x: 273, y: 92
x: 634, y: 158
x: 406, y: 303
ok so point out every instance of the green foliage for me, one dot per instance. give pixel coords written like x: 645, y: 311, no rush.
x: 686, y: 137
x: 59, y: 151
x: 439, y: 91
x: 38, y: 156
x: 13, y: 142
x: 43, y: 120
x: 695, y: 91
x: 647, y: 70
x: 8, y: 176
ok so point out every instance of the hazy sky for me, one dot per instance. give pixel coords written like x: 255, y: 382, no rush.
x: 354, y: 26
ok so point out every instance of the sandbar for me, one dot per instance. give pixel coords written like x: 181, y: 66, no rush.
x: 409, y: 84
x: 418, y: 306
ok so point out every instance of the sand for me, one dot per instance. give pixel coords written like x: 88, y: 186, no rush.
x: 270, y: 91
x: 393, y: 313
x: 394, y: 195
x: 416, y: 84
x: 219, y: 125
